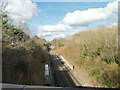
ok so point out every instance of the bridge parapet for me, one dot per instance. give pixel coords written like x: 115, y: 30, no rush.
x: 7, y: 86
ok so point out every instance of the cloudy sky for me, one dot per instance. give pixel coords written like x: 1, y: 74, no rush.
x: 51, y: 20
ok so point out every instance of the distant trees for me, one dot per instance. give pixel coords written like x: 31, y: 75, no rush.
x: 58, y: 42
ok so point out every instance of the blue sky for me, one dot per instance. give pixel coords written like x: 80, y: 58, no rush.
x: 56, y: 11
x: 52, y: 13
x: 52, y: 20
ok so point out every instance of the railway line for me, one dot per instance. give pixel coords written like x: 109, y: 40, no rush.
x: 58, y: 75
x: 62, y: 75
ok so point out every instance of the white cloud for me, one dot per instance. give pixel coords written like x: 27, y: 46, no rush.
x: 113, y: 6
x: 55, y: 28
x: 91, y: 15
x: 53, y: 31
x: 50, y: 35
x: 56, y: 31
x: 21, y: 11
x: 46, y: 34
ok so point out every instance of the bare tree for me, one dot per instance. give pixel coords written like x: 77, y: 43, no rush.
x: 3, y: 5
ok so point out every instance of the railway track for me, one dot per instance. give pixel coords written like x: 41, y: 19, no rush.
x: 72, y: 76
x: 58, y: 75
x: 63, y: 77
x: 68, y: 79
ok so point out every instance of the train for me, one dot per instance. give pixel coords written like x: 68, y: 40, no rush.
x: 47, y: 75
